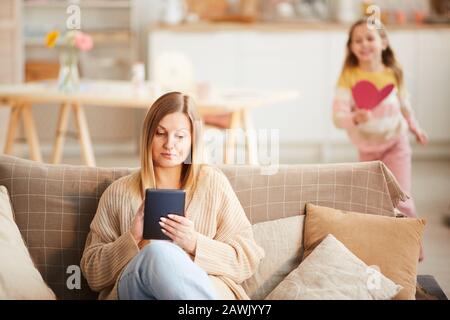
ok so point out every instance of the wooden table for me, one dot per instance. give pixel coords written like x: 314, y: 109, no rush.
x: 120, y: 94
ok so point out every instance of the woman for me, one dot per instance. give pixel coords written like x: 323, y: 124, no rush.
x: 212, y: 249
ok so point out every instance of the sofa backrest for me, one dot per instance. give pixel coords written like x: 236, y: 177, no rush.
x: 54, y: 204
x: 367, y: 187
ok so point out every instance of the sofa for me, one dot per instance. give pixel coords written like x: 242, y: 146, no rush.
x: 54, y: 204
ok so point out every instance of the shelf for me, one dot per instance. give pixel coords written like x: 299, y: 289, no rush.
x: 203, y: 26
x: 113, y: 4
x: 105, y: 37
x: 99, y: 38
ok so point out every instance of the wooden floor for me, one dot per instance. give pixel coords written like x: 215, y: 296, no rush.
x: 431, y: 192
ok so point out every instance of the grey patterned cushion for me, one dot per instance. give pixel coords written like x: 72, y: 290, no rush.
x: 282, y: 242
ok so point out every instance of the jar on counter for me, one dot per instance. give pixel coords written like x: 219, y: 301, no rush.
x: 365, y: 7
x: 345, y: 11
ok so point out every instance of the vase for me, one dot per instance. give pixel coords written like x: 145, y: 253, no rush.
x: 68, y: 79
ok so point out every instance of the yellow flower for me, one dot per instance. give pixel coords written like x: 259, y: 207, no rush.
x: 52, y: 37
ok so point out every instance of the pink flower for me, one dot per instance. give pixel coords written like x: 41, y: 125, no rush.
x: 83, y: 41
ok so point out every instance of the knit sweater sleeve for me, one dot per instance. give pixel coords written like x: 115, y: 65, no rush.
x: 407, y: 111
x: 233, y: 252
x: 343, y: 104
x: 107, y: 251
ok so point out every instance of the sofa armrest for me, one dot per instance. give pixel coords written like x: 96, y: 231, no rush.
x: 429, y: 289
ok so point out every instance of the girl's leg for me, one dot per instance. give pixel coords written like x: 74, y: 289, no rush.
x: 369, y: 156
x: 398, y: 160
x: 163, y: 271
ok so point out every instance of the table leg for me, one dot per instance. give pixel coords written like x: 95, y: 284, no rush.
x: 230, y: 147
x: 16, y: 110
x: 30, y: 131
x: 61, y: 129
x: 83, y: 135
x: 251, y: 141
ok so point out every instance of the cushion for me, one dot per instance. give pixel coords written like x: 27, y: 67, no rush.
x: 332, y: 272
x: 392, y: 244
x: 19, y: 278
x: 282, y: 241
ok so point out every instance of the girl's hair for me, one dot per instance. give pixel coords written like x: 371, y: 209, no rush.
x: 170, y: 103
x: 388, y: 56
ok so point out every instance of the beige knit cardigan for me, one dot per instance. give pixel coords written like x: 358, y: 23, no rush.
x: 226, y: 249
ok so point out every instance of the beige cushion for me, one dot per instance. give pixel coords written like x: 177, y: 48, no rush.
x: 282, y: 241
x: 19, y: 279
x: 392, y: 244
x: 332, y: 272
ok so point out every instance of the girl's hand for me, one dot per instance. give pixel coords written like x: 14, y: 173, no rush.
x: 361, y: 116
x: 181, y: 230
x: 137, y: 226
x: 422, y: 137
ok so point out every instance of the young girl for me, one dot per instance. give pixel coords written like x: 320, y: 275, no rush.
x: 379, y: 127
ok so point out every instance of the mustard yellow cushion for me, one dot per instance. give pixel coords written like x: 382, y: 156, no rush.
x: 391, y: 244
x: 19, y: 279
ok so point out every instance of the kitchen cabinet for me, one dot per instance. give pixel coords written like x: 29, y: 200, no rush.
x: 310, y: 60
x: 424, y: 55
x: 433, y: 96
x: 283, y: 60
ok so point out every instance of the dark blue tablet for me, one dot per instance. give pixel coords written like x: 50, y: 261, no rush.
x: 159, y: 203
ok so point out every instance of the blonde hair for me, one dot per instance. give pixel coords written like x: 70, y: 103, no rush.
x: 170, y: 103
x: 388, y: 56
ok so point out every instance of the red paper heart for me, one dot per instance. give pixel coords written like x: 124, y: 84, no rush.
x: 367, y: 96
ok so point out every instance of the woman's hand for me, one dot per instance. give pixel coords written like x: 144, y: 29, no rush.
x: 137, y: 226
x: 361, y: 116
x: 421, y: 137
x: 181, y: 230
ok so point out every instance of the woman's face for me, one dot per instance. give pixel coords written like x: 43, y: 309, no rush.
x: 367, y: 44
x: 172, y: 141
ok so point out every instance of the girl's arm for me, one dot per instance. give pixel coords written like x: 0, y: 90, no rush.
x: 408, y: 114
x: 343, y: 114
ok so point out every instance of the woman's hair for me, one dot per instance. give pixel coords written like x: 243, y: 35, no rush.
x: 388, y: 56
x: 169, y: 103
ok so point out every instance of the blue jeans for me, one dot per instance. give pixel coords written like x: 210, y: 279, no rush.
x: 164, y: 271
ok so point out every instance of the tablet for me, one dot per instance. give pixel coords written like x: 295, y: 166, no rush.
x: 159, y: 203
